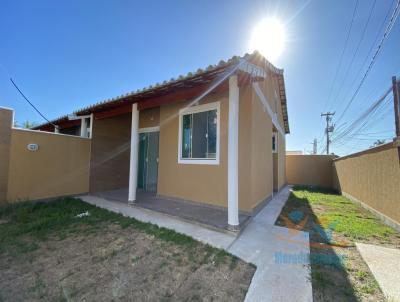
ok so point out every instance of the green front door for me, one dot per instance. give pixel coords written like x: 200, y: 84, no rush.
x: 148, y: 161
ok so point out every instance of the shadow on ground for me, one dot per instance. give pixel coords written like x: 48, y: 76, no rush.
x: 330, y: 280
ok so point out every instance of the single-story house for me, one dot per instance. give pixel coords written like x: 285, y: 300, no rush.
x: 215, y: 136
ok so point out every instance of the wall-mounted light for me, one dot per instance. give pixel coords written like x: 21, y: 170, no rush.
x: 33, y: 147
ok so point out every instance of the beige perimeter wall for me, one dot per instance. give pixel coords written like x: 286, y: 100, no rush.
x: 59, y: 167
x: 309, y: 170
x: 372, y: 177
x: 6, y: 120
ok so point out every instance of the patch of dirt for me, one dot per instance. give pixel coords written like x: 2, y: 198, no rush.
x: 351, y: 281
x: 115, y: 264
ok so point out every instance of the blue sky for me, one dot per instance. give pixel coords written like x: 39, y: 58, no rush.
x: 69, y: 54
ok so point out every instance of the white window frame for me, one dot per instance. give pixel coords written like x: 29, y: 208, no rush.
x: 275, y: 135
x: 198, y: 109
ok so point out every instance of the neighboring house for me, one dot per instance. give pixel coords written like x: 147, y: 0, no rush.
x: 215, y: 136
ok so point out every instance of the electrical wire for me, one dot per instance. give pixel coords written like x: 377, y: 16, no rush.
x: 349, y: 66
x: 381, y: 28
x: 30, y: 103
x: 342, y: 55
x: 364, y: 119
x: 388, y: 29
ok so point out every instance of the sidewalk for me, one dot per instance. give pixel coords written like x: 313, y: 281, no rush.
x: 270, y: 247
x: 384, y: 264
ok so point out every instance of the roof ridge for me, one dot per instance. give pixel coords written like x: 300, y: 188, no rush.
x: 173, y: 80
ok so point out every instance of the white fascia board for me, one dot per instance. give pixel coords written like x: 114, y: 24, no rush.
x: 267, y: 107
x: 253, y: 70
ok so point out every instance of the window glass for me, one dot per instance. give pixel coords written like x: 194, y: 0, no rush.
x: 199, y: 135
x: 186, y: 136
x: 274, y: 149
x: 212, y: 134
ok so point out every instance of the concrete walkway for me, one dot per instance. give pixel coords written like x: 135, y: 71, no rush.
x: 384, y: 264
x: 281, y: 256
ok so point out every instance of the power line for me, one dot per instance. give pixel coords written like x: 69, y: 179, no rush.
x: 363, y: 118
x: 342, y: 54
x: 30, y: 103
x: 365, y: 122
x: 376, y: 116
x: 356, y: 51
x: 381, y: 28
x: 378, y: 132
x: 378, y: 50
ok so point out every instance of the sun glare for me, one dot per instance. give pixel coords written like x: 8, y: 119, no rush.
x: 268, y: 38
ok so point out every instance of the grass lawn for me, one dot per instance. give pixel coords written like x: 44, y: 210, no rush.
x: 49, y: 254
x: 335, y: 223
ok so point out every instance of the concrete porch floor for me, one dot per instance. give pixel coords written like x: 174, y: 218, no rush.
x: 194, y: 212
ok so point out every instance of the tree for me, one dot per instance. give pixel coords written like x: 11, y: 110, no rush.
x: 378, y: 142
x: 28, y: 125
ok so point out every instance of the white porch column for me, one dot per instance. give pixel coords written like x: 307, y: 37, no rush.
x: 233, y: 139
x: 83, y: 127
x: 133, y: 167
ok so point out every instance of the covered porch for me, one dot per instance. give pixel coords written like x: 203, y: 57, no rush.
x: 207, y: 215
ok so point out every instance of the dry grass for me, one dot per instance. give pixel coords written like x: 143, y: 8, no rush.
x: 47, y: 254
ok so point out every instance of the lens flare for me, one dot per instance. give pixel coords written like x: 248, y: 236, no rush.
x: 268, y: 38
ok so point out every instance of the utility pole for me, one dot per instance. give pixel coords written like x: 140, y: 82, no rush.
x: 314, y: 143
x: 329, y: 128
x: 396, y: 102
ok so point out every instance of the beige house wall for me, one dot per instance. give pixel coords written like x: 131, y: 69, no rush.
x: 373, y: 178
x: 245, y: 149
x: 149, y: 118
x: 309, y: 170
x: 261, y: 155
x: 111, y: 144
x: 6, y: 120
x: 59, y: 167
x: 194, y: 182
x: 109, y: 163
x: 208, y: 183
x: 109, y: 154
x: 256, y: 161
